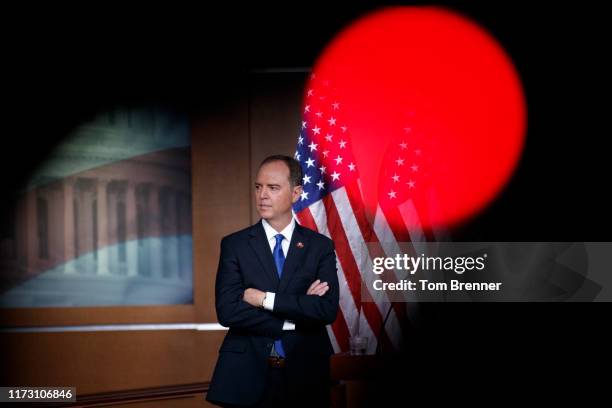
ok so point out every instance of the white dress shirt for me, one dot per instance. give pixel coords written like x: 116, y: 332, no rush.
x: 271, y: 233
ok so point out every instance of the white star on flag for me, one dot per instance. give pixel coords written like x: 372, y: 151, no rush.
x: 391, y: 194
x: 321, y: 185
x: 316, y: 130
x: 342, y: 144
x: 304, y: 195
x: 351, y: 167
x: 400, y: 161
x: 395, y: 178
x: 332, y: 121
x: 309, y: 162
x: 306, y: 179
x: 335, y: 176
x: 338, y: 159
x: 313, y: 146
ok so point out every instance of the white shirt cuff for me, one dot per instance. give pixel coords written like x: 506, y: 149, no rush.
x: 268, y: 302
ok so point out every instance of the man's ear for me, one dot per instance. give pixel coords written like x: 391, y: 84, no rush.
x: 296, y: 193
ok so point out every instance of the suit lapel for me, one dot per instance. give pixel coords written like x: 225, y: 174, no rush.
x: 297, y: 248
x: 260, y: 245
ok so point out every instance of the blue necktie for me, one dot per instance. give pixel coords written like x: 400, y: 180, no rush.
x: 279, y: 260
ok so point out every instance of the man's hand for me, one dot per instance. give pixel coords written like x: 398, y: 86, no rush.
x: 318, y: 288
x: 254, y: 297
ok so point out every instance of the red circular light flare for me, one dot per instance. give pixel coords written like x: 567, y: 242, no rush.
x: 436, y: 90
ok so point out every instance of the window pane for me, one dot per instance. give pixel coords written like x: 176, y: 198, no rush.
x: 106, y: 219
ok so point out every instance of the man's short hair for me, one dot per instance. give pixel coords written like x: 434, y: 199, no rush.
x: 295, y: 169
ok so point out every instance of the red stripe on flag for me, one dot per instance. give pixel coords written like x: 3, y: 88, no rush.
x: 306, y: 219
x: 396, y: 223
x: 343, y: 249
x: 339, y: 326
x: 351, y: 270
x: 354, y: 195
x: 341, y: 331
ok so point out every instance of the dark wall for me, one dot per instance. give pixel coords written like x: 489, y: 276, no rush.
x: 63, y: 69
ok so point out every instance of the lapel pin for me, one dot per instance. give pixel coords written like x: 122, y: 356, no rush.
x: 300, y: 245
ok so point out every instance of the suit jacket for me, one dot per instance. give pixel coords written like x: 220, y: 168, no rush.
x: 247, y: 262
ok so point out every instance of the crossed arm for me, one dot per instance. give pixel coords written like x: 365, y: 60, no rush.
x: 239, y: 307
x: 256, y: 297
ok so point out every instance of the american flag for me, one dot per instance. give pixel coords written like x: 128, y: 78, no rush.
x: 332, y: 204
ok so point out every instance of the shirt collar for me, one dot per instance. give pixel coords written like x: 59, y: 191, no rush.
x: 287, y: 232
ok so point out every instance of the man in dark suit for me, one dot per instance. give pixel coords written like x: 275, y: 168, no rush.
x: 276, y: 290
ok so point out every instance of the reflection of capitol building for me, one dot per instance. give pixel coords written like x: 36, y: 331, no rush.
x: 118, y: 225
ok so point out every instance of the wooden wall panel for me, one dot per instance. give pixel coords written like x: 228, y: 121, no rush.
x: 275, y: 116
x: 195, y: 401
x: 187, y: 402
x: 97, y: 362
x: 221, y: 203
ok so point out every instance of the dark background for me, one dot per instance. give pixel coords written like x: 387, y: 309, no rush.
x: 66, y: 65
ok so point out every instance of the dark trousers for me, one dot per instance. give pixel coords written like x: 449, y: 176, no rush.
x: 275, y: 394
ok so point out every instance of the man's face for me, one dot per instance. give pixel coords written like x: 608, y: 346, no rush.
x: 273, y: 193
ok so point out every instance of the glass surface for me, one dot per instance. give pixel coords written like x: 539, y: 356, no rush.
x: 106, y: 219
